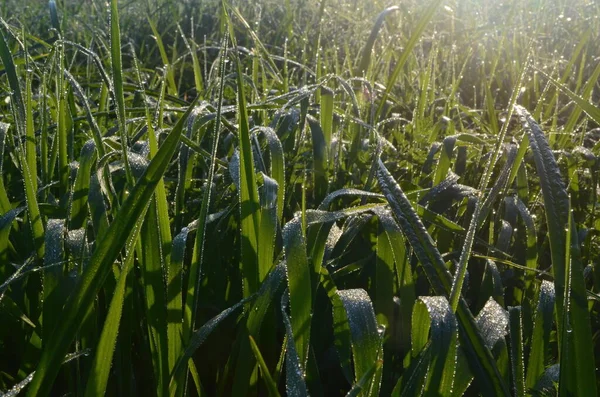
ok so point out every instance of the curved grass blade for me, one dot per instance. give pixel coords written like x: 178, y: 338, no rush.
x: 368, y: 50
x: 295, y: 384
x: 277, y: 166
x: 432, y: 314
x: 341, y: 329
x: 300, y: 286
x: 403, y: 271
x: 366, y: 336
x: 6, y: 220
x: 270, y: 289
x: 492, y: 321
x: 480, y: 358
x: 516, y: 350
x: 104, y: 255
x: 81, y: 186
x: 567, y: 268
x: 540, y: 338
x: 54, y: 296
x: 269, y: 193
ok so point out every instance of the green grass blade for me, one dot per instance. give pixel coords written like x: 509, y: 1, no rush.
x: 516, y: 351
x: 365, y: 60
x: 341, y: 328
x: 274, y: 71
x: 268, y: 226
x: 295, y: 384
x: 117, y: 82
x: 175, y: 298
x: 30, y: 144
x: 432, y: 315
x: 270, y: 290
x: 585, y: 105
x: 300, y: 287
x: 193, y: 293
x: 403, y: 271
x: 192, y: 48
x: 481, y: 206
x: 567, y: 269
x: 407, y: 50
x: 103, y: 355
x: 248, y: 194
x: 13, y: 81
x: 271, y: 385
x: 366, y: 336
x: 54, y: 295
x: 443, y: 166
x: 199, y: 337
x: 384, y: 280
x: 79, y: 194
x: 411, y: 382
x: 152, y: 267
x: 481, y: 359
x: 320, y: 159
x: 540, y: 337
x: 170, y: 73
x: 365, y: 382
x: 22, y: 126
x: 277, y: 166
x: 102, y: 259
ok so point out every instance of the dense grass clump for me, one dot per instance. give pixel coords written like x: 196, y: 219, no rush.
x: 334, y: 197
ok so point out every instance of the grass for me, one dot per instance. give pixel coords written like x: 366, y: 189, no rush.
x: 332, y: 197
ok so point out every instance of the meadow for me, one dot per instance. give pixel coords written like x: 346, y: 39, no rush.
x: 334, y: 197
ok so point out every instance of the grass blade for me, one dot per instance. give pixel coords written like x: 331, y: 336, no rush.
x: 365, y: 334
x: 271, y: 386
x: 412, y: 42
x: 365, y: 61
x: 117, y: 82
x: 567, y: 269
x: 516, y: 351
x: 300, y: 287
x: 432, y: 314
x: 103, y: 356
x: 102, y: 259
x: 540, y: 337
x: 481, y: 360
x: 248, y: 194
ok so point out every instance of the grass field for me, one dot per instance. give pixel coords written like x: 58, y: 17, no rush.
x: 334, y: 197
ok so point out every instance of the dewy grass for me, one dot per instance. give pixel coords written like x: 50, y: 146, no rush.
x: 316, y: 197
